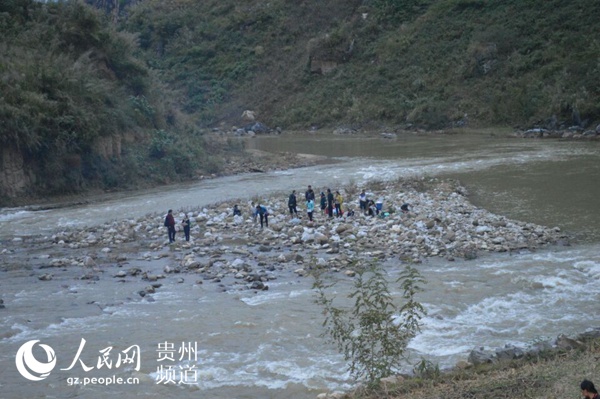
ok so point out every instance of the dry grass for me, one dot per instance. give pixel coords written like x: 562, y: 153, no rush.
x: 552, y: 376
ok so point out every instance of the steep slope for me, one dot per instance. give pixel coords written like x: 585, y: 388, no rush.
x: 372, y: 63
x: 78, y: 111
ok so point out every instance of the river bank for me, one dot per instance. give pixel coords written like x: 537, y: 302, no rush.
x: 233, y: 163
x: 553, y: 374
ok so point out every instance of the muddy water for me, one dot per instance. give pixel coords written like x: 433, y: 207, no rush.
x: 549, y: 182
x: 267, y: 345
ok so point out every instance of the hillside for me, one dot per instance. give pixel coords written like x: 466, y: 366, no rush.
x: 123, y: 95
x: 79, y: 111
x: 377, y: 63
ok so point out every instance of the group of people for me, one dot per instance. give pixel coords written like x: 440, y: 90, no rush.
x: 368, y: 206
x: 170, y: 224
x: 330, y: 204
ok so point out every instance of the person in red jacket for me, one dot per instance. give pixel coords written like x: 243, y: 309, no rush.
x: 170, y: 223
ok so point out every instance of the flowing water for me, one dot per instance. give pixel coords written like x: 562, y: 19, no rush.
x: 268, y: 344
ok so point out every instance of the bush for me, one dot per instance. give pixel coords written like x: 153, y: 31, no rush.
x: 161, y: 142
x: 374, y: 333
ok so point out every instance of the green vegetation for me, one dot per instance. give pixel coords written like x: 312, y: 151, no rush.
x: 388, y: 62
x: 373, y: 334
x: 73, y: 96
x: 158, y: 72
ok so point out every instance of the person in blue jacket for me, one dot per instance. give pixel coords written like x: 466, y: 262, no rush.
x: 310, y: 208
x: 263, y: 213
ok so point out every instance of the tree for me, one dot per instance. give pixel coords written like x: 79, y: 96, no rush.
x: 373, y: 334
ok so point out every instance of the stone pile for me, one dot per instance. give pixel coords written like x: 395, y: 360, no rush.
x: 441, y: 223
x: 510, y: 352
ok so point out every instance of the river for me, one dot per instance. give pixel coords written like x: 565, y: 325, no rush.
x: 268, y: 345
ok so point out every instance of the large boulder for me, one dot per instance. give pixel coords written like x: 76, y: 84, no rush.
x: 481, y: 356
x: 257, y: 127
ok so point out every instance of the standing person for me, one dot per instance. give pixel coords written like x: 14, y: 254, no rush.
x: 236, y: 211
x: 186, y: 226
x: 329, y: 203
x: 588, y: 390
x: 362, y: 201
x: 310, y: 208
x: 292, y: 204
x: 339, y: 200
x: 264, y: 215
x: 170, y: 223
x: 254, y: 212
x: 309, y: 194
x: 323, y: 202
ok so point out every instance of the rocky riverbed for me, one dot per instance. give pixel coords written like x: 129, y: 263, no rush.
x: 235, y: 253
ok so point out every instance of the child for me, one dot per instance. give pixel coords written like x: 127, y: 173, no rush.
x: 310, y: 208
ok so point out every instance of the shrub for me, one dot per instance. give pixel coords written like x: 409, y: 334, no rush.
x: 161, y: 142
x: 374, y: 333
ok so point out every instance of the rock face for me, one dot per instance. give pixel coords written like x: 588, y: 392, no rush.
x: 17, y: 177
x: 109, y: 147
x: 13, y: 178
x: 249, y: 116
